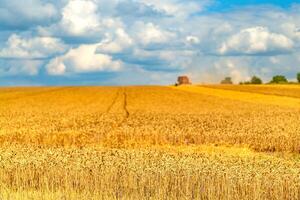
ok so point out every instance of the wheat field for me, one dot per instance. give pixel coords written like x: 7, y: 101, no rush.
x: 150, y: 142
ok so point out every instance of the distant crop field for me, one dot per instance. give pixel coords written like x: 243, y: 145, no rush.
x: 150, y: 142
x: 279, y: 90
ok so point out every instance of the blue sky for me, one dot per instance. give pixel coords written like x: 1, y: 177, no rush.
x: 235, y: 3
x: 127, y: 42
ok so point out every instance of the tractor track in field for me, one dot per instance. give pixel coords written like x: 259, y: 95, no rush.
x: 120, y: 92
x: 124, y: 108
x: 114, y: 101
x: 110, y: 106
x: 100, y: 114
x: 126, y: 114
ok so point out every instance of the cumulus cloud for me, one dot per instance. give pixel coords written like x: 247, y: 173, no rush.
x: 116, y: 43
x: 150, y: 33
x: 177, y: 8
x: 83, y: 59
x: 137, y: 9
x: 192, y: 40
x: 20, y: 67
x: 81, y: 22
x: 18, y: 47
x: 146, y: 39
x: 256, y: 40
x: 292, y: 30
x: 80, y: 17
x: 16, y: 14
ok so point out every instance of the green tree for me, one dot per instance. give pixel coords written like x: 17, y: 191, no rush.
x: 245, y: 83
x: 298, y: 77
x: 227, y: 80
x: 279, y: 79
x: 256, y: 80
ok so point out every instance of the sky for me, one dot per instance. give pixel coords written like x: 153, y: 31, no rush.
x: 138, y: 42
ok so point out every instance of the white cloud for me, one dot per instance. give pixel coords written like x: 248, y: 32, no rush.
x: 31, y: 48
x: 292, y: 30
x: 20, y: 14
x: 152, y: 34
x: 82, y: 60
x: 20, y: 67
x: 117, y: 43
x: 274, y: 60
x: 256, y: 40
x: 192, y: 40
x: 56, y: 67
x: 80, y: 17
x: 177, y: 8
x: 149, y: 39
x: 82, y: 22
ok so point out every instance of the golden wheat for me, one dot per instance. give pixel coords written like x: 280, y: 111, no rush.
x: 148, y: 143
x: 280, y: 90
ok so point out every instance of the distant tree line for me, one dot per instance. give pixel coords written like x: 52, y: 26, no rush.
x: 278, y: 79
x: 254, y: 80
